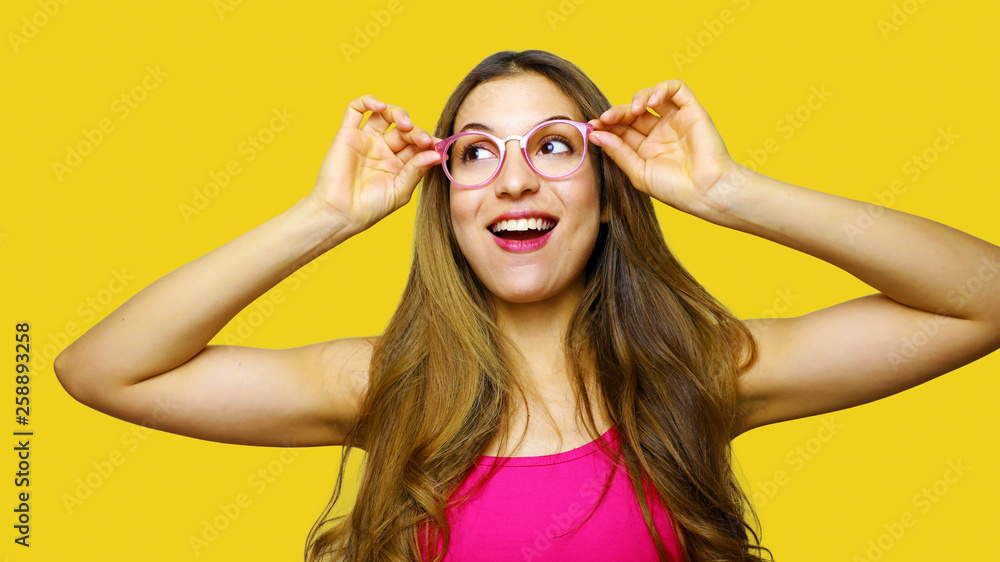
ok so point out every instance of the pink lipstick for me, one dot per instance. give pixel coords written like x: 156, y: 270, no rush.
x: 521, y: 246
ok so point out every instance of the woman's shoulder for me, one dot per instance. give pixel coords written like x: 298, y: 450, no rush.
x: 349, y: 357
x: 346, y: 365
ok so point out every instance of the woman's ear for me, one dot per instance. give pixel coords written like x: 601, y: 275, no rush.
x: 606, y: 213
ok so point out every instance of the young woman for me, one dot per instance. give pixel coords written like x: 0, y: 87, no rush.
x: 541, y: 284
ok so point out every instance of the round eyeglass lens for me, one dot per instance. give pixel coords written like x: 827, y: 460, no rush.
x: 554, y: 150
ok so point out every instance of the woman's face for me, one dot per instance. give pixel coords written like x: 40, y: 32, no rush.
x: 513, y: 106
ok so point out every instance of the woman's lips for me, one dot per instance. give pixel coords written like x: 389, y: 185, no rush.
x: 521, y: 246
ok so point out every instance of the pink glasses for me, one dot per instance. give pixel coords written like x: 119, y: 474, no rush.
x: 553, y: 149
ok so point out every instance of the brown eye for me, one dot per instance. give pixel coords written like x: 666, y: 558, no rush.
x: 556, y: 146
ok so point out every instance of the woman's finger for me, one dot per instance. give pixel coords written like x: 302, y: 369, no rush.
x: 618, y: 114
x: 622, y: 115
x: 376, y: 124
x: 379, y: 122
x: 627, y: 133
x: 672, y: 92
x: 398, y: 139
x: 356, y: 109
x: 666, y: 98
x: 411, y: 151
x: 640, y: 101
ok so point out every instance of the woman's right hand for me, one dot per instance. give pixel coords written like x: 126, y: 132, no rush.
x: 368, y: 173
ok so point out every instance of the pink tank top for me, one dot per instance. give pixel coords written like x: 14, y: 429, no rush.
x: 531, y: 509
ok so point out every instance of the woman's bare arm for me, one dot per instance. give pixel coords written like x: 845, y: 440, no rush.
x: 938, y: 305
x: 149, y: 361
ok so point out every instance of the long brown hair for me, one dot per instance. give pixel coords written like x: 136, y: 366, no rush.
x: 646, y: 342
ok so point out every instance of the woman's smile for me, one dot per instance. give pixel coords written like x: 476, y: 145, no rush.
x: 522, y: 231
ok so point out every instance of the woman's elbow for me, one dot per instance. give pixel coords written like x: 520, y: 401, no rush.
x: 67, y: 373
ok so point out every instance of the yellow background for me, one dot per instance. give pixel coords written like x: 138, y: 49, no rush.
x: 119, y: 211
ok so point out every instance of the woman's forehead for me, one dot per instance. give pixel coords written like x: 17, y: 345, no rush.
x: 512, y: 105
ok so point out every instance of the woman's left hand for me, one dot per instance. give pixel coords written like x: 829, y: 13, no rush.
x: 677, y: 157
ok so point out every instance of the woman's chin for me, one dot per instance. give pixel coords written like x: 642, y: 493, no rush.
x: 526, y: 291
x: 518, y: 293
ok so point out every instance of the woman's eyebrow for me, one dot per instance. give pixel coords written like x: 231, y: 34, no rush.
x: 488, y: 129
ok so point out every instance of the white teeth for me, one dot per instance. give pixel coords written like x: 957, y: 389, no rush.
x: 523, y: 224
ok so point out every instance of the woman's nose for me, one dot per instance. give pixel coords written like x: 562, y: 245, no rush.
x: 516, y: 178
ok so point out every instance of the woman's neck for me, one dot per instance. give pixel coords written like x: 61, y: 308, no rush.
x: 538, y: 330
